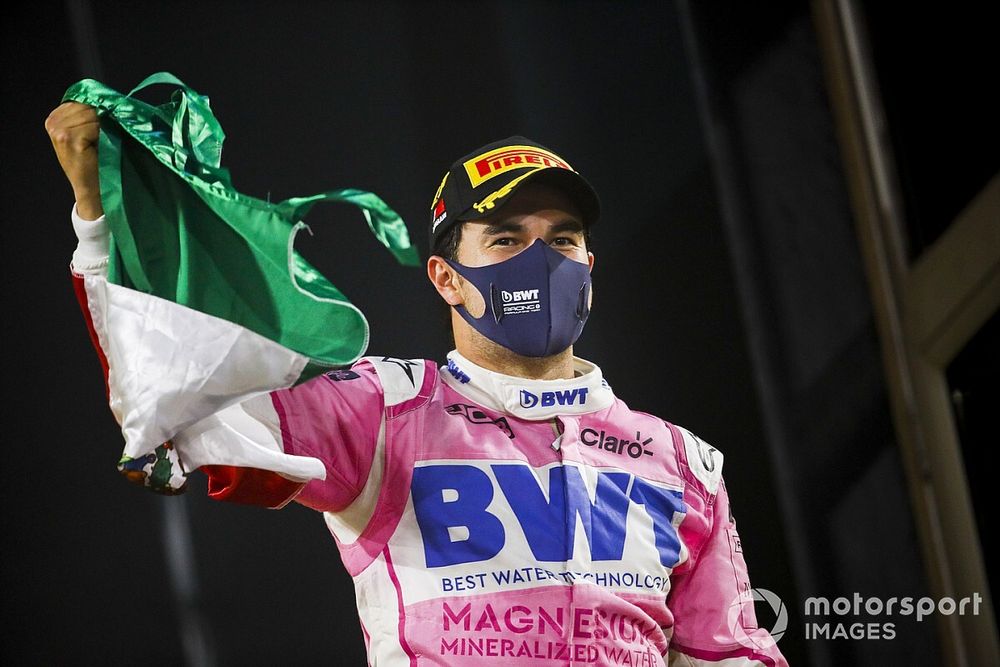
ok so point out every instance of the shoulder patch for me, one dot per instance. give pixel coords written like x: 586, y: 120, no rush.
x: 401, y: 379
x: 704, y: 460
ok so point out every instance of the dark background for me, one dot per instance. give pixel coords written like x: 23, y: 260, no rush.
x: 730, y: 296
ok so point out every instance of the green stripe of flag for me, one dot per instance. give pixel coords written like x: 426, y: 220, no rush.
x: 181, y: 232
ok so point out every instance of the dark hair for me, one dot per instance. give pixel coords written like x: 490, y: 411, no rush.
x: 446, y: 245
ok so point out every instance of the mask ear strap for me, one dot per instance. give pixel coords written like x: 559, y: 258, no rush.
x: 581, y: 305
x: 496, y: 303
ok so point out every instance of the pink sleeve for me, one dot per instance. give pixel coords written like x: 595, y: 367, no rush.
x: 335, y: 418
x: 711, y: 597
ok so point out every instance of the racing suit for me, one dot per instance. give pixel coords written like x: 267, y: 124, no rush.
x: 486, y: 517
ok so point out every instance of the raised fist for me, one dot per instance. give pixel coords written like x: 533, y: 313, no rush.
x: 74, y: 129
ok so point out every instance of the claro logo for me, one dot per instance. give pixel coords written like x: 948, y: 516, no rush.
x: 617, y: 444
x: 547, y: 399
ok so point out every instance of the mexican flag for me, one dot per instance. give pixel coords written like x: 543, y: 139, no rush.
x: 205, y: 302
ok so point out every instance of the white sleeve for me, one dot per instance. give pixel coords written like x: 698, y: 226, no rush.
x: 91, y: 254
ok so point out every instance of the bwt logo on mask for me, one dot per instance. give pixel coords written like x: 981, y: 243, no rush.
x: 519, y: 295
x: 549, y: 398
x: 520, y: 301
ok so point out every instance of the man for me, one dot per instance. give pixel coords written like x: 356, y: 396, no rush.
x: 507, y: 505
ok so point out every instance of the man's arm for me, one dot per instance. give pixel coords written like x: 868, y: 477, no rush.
x: 319, y: 419
x: 713, y: 605
x: 711, y: 595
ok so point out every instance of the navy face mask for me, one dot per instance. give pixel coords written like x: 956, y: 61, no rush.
x: 536, y: 301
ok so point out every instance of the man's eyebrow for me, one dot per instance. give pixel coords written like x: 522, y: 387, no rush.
x: 502, y: 227
x: 506, y: 226
x: 569, y: 225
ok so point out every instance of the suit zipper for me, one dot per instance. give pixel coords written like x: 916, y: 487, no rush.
x: 557, y: 430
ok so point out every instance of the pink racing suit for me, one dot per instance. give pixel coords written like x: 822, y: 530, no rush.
x: 488, y: 518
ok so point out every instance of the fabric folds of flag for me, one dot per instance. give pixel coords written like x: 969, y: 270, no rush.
x: 205, y: 303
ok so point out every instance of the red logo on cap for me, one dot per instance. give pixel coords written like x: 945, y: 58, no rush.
x: 439, y: 213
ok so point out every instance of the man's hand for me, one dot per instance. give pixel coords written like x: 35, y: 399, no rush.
x: 74, y: 129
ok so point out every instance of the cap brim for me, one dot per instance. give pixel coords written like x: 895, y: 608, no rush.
x: 571, y: 183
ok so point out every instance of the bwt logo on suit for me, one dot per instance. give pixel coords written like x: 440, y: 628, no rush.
x: 549, y: 398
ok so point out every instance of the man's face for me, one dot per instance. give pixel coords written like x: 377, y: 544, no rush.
x: 534, y: 212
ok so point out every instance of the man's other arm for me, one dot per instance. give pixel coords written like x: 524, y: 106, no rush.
x: 336, y: 423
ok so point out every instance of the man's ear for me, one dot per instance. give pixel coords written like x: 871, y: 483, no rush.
x: 445, y: 280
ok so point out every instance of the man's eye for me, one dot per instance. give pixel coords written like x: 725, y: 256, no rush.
x: 563, y: 241
x: 504, y: 240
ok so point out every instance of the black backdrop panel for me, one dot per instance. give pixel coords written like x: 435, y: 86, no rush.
x: 381, y: 97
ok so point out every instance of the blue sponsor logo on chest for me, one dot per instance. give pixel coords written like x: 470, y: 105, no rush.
x: 450, y: 502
